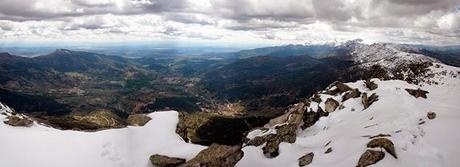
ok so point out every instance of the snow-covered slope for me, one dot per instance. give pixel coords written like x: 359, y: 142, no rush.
x: 384, y: 54
x: 418, y: 140
x: 41, y: 146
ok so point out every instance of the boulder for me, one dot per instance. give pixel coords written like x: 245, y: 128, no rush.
x: 383, y: 143
x: 216, y: 155
x: 271, y: 148
x: 306, y: 159
x: 310, y: 118
x: 417, y: 93
x: 339, y: 88
x: 316, y: 98
x: 257, y: 141
x: 138, y: 119
x: 165, y: 161
x: 370, y: 84
x: 96, y: 120
x: 367, y: 101
x: 286, y: 128
x: 370, y: 157
x: 331, y: 105
x: 284, y: 133
x: 431, y: 115
x: 15, y: 120
x: 354, y: 93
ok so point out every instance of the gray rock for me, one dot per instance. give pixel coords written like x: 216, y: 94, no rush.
x: 417, y: 93
x: 216, y: 155
x: 331, y: 105
x: 370, y: 84
x: 385, y: 143
x: 370, y: 157
x: 354, y: 93
x: 431, y: 115
x: 18, y: 121
x: 306, y: 159
x: 165, y: 161
x: 367, y: 101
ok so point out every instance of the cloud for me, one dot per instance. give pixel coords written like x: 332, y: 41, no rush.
x: 287, y: 21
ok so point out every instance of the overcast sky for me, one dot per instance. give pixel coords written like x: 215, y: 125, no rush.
x: 241, y: 21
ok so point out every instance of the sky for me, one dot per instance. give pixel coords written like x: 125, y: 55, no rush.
x: 231, y: 21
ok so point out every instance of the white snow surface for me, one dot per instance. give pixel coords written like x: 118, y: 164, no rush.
x: 41, y: 146
x: 397, y: 113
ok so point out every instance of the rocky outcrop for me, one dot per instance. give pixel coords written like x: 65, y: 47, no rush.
x: 367, y: 101
x: 417, y: 93
x: 189, y: 123
x: 339, y: 88
x: 431, y: 115
x: 306, y: 159
x: 331, y: 105
x: 97, y: 120
x: 385, y: 144
x: 216, y: 155
x: 285, y: 131
x: 370, y: 84
x: 15, y: 120
x: 354, y: 93
x: 310, y: 117
x: 165, y: 161
x: 207, y: 128
x: 138, y: 119
x: 370, y: 157
x: 316, y: 98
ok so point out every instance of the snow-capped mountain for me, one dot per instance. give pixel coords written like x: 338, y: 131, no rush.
x: 385, y: 54
x: 422, y: 130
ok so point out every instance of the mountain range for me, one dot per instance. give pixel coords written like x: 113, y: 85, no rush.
x: 351, y: 104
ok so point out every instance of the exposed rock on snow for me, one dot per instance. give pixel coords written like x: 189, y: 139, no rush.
x: 370, y: 157
x: 417, y: 93
x: 285, y: 131
x: 331, y: 105
x: 165, y: 161
x: 431, y: 115
x: 138, y: 119
x: 310, y: 117
x: 338, y: 87
x: 354, y: 93
x: 395, y: 116
x: 15, y: 120
x: 370, y: 84
x: 316, y: 98
x: 216, y: 155
x: 383, y: 143
x: 367, y: 101
x: 306, y: 159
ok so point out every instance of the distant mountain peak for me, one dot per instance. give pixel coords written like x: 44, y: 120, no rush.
x: 61, y: 52
x: 388, y: 55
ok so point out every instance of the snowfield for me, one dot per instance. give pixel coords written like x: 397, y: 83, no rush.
x: 40, y: 146
x: 419, y: 142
